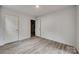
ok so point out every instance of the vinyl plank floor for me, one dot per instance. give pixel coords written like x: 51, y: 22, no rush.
x: 37, y: 45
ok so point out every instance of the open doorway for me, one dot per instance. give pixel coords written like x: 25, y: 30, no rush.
x: 32, y: 28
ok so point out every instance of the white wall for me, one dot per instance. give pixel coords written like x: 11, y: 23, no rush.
x: 24, y: 24
x: 1, y: 28
x: 60, y: 26
x: 77, y: 27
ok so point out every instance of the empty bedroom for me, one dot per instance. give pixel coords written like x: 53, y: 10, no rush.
x: 39, y: 29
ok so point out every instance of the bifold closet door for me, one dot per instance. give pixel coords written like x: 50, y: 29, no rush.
x: 11, y: 28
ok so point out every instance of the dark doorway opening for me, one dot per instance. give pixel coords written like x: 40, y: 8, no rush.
x: 32, y: 28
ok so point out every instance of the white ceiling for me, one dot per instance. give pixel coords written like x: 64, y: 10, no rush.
x: 33, y: 11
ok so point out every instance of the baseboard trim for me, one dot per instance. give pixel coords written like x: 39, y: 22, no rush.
x: 13, y: 42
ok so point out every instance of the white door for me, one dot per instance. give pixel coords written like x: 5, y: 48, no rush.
x: 38, y: 28
x: 11, y: 27
x: 24, y: 27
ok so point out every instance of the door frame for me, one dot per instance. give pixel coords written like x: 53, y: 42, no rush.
x: 31, y: 28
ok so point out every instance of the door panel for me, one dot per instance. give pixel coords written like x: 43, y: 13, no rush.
x: 24, y: 27
x: 11, y: 24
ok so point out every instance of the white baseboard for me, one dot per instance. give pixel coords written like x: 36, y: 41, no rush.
x: 3, y: 43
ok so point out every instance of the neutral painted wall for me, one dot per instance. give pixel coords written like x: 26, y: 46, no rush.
x: 60, y: 26
x: 24, y: 24
x: 77, y: 27
x: 1, y: 28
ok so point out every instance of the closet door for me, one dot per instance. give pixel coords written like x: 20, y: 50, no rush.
x: 24, y: 27
x: 11, y: 28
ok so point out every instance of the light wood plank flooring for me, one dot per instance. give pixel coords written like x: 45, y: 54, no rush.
x: 37, y: 45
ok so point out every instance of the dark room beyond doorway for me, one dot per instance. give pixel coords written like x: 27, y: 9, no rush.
x: 32, y: 28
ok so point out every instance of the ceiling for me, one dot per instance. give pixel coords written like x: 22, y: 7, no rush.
x: 33, y: 11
